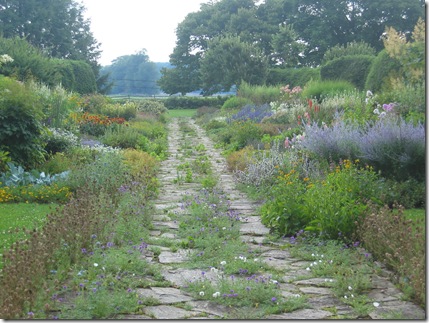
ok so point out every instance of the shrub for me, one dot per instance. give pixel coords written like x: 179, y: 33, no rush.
x: 353, y: 69
x: 409, y: 193
x: 283, y: 210
x: 243, y: 133
x: 399, y: 243
x: 259, y: 94
x: 126, y: 111
x: 381, y: 69
x: 350, y: 49
x: 321, y: 89
x: 293, y: 76
x: 58, y: 140
x: 94, y: 103
x: 120, y: 136
x: 238, y: 160
x: 235, y: 102
x: 340, y: 141
x: 187, y: 102
x: 96, y: 125
x: 260, y: 167
x: 151, y: 106
x: 20, y: 117
x: 395, y: 147
x: 337, y: 203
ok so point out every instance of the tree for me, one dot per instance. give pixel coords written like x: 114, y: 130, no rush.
x: 287, y: 47
x: 133, y: 74
x: 230, y: 61
x: 57, y: 27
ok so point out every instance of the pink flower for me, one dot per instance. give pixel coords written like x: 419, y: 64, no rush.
x: 388, y: 107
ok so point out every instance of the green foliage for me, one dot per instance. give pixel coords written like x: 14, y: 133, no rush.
x: 56, y: 27
x: 283, y: 212
x: 235, y: 102
x: 133, y: 74
x: 20, y: 117
x: 28, y: 61
x: 293, y: 76
x: 321, y: 89
x: 397, y: 242
x: 4, y: 159
x: 335, y: 204
x: 350, y: 49
x: 128, y: 110
x: 382, y: 68
x: 121, y: 136
x: 58, y: 140
x: 353, y: 69
x: 230, y: 61
x: 94, y: 103
x: 155, y: 107
x: 259, y: 94
x: 244, y: 133
x: 189, y: 102
x: 17, y: 176
x: 85, y: 82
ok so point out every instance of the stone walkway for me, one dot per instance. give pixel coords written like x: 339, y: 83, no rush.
x: 175, y: 304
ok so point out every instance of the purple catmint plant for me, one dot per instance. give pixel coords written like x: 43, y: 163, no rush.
x: 395, y: 147
x: 253, y: 113
x: 340, y: 141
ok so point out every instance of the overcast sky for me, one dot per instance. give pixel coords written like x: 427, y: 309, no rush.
x: 124, y: 27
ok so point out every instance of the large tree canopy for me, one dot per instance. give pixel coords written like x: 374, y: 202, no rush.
x: 57, y: 27
x: 133, y: 74
x: 288, y: 32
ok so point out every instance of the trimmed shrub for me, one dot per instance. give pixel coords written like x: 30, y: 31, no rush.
x: 382, y: 67
x: 151, y: 106
x: 293, y: 76
x: 350, y: 49
x: 353, y: 69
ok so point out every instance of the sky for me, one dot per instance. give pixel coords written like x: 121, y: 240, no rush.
x: 124, y: 27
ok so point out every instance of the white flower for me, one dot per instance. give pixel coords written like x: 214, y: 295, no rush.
x: 224, y: 228
x: 297, y: 295
x: 376, y: 304
x: 217, y: 294
x: 369, y: 93
x: 349, y: 288
x: 345, y: 296
x: 352, y: 295
x: 274, y: 281
x: 383, y: 114
x: 376, y: 111
x: 308, y: 268
x: 95, y: 264
x: 256, y: 260
x: 331, y: 280
x: 213, y: 269
x: 312, y: 254
x: 201, y: 293
x: 223, y: 263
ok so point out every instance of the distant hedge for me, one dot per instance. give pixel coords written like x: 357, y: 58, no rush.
x: 381, y: 68
x: 353, y: 68
x: 292, y: 76
x: 189, y: 102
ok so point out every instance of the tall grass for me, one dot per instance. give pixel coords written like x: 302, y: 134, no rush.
x: 259, y: 94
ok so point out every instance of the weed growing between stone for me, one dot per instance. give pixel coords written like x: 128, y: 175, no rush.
x: 345, y: 268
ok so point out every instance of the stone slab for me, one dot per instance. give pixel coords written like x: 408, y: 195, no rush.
x: 168, y: 257
x: 167, y: 312
x: 305, y: 314
x: 182, y: 277
x: 165, y: 295
x: 257, y: 229
x: 316, y: 290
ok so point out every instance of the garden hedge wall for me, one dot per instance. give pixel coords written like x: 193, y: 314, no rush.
x: 353, y: 68
x: 381, y: 68
x: 186, y: 102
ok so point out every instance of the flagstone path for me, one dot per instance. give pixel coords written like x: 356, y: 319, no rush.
x: 176, y: 304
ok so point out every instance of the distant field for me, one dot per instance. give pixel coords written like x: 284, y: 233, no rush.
x: 179, y: 113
